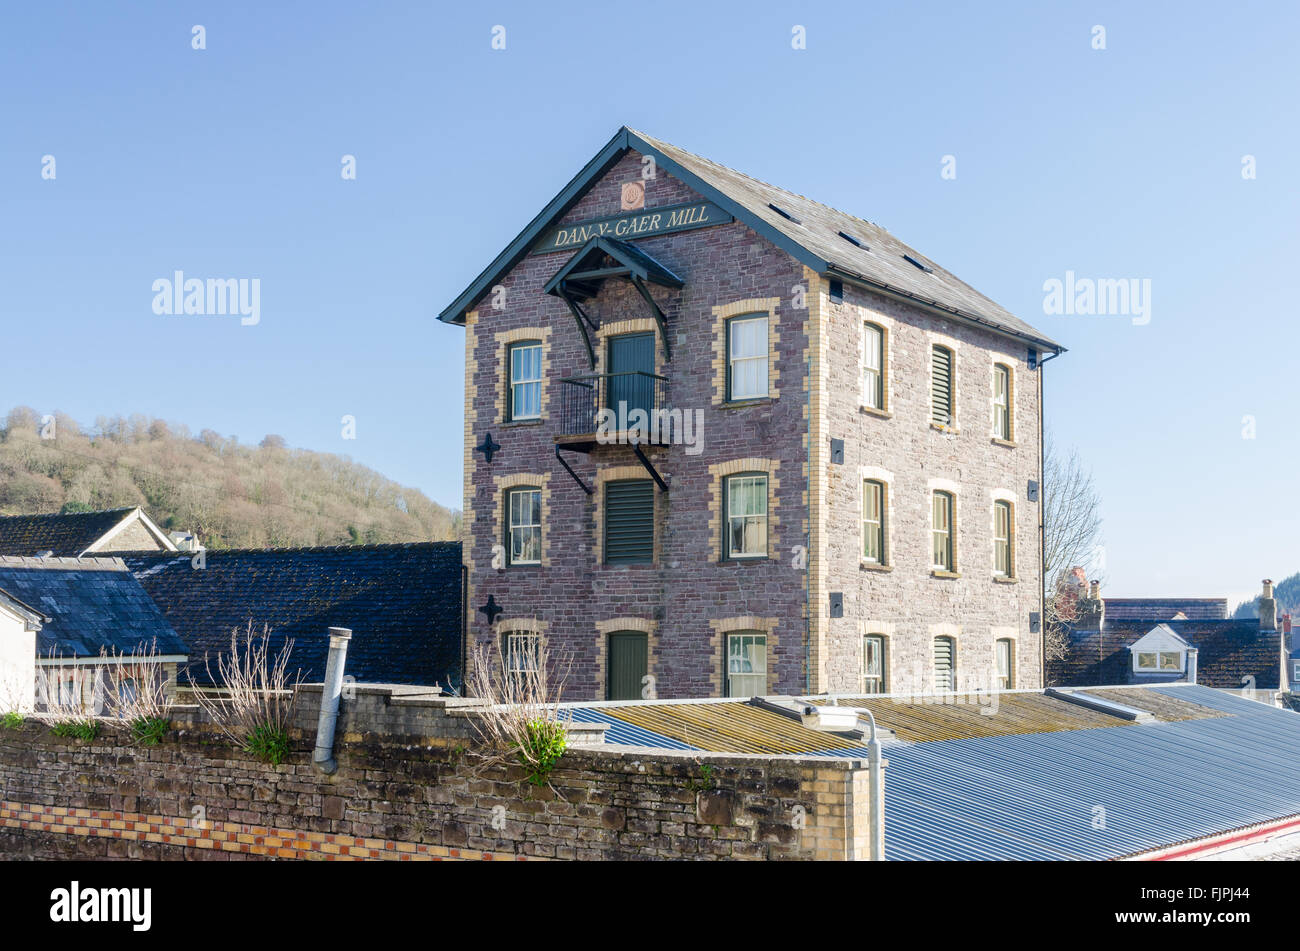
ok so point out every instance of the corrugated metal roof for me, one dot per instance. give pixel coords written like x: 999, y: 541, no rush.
x: 930, y: 719
x: 1040, y: 796
x: 1215, y: 762
x: 731, y: 727
x: 622, y: 733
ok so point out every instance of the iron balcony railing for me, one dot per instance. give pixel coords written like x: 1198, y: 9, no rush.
x: 631, y: 400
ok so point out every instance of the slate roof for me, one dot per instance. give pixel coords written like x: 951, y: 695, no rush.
x: 1227, y: 650
x: 402, y: 603
x: 1162, y: 609
x: 89, y: 605
x: 1208, y: 763
x: 66, y: 536
x: 878, y: 262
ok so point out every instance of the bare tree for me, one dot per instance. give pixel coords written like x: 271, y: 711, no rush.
x: 255, y: 697
x: 1071, y: 529
x: 523, y: 721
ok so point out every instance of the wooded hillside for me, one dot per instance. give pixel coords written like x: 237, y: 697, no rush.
x: 1287, y: 594
x: 234, y: 496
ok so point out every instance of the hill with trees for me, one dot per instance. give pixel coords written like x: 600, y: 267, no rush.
x: 232, y: 495
x: 1287, y: 594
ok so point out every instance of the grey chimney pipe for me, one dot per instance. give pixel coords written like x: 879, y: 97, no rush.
x: 323, y: 757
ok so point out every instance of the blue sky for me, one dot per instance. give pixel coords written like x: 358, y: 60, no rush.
x: 1117, y: 163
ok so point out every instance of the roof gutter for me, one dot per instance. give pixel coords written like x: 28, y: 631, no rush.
x: 939, y: 310
x: 1236, y: 838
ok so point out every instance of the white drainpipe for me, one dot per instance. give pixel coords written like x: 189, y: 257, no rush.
x: 876, y: 780
x: 323, y: 757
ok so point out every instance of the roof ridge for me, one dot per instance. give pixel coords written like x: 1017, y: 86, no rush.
x: 64, y: 562
x: 376, y: 546
x: 129, y: 508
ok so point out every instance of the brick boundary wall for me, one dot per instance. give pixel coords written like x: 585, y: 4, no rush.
x: 410, y: 787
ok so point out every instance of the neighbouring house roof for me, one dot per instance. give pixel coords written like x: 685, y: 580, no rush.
x: 1227, y: 651
x: 1162, y: 637
x: 88, y: 607
x: 811, y: 232
x: 75, y: 533
x: 960, y: 786
x: 401, y: 602
x: 741, y: 726
x: 1165, y: 609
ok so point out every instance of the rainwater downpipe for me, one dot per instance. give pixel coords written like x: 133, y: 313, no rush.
x: 331, y: 692
x: 876, y: 780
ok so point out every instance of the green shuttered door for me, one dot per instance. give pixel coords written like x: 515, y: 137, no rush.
x: 627, y: 665
x: 629, y: 521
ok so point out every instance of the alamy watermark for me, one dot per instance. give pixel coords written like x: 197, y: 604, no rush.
x: 214, y: 297
x: 1099, y: 297
x: 657, y: 426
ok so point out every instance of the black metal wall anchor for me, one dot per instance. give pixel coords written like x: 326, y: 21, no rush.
x: 492, y: 609
x: 488, y: 447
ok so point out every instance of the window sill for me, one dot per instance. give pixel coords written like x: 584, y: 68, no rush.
x: 878, y: 413
x: 940, y: 427
x: 1003, y: 579
x: 999, y: 441
x: 744, y: 559
x: 511, y: 423
x: 940, y: 573
x: 744, y: 404
x: 873, y: 566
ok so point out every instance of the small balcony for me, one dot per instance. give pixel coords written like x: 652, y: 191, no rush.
x: 636, y: 399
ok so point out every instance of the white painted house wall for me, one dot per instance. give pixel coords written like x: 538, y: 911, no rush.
x: 17, y: 662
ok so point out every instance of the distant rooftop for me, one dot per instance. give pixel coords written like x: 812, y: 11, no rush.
x: 402, y: 603
x: 87, y: 606
x: 77, y: 533
x: 1166, y: 609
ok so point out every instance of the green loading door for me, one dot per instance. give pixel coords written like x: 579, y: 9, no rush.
x: 627, y: 665
x: 629, y: 353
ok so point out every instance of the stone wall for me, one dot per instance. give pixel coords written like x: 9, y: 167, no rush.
x: 905, y: 600
x: 410, y: 786
x: 690, y: 597
x: 688, y: 594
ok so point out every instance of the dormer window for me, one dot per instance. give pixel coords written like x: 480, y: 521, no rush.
x: 1160, y: 650
x: 1156, y: 662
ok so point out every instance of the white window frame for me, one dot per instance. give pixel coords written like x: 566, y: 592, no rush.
x: 882, y: 662
x: 1008, y: 540
x: 951, y: 529
x: 1002, y: 409
x: 764, y: 357
x: 518, y: 384
x: 534, y: 529
x: 878, y: 525
x: 1006, y: 679
x: 760, y: 518
x: 523, y: 644
x: 873, y: 377
x: 750, y: 678
x: 1159, y: 663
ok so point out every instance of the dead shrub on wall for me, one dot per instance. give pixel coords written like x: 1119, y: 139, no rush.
x: 134, y: 689
x: 255, y: 697
x: 522, y: 723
